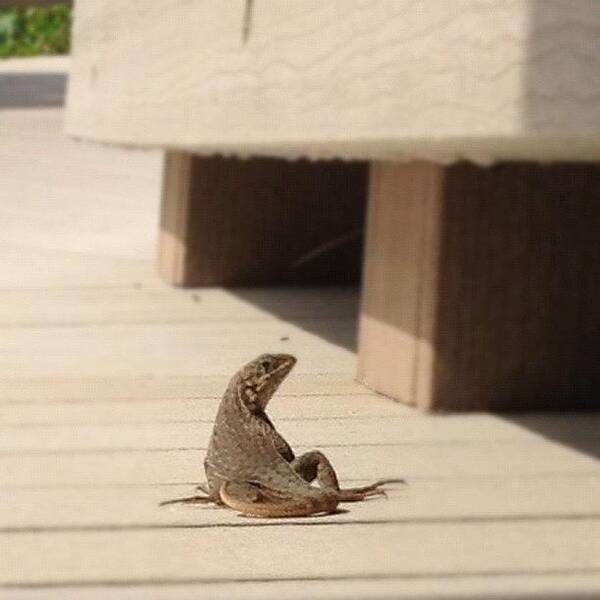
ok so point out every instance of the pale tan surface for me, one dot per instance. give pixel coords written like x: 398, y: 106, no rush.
x: 377, y: 79
x: 107, y: 390
x: 174, y: 217
x: 396, y: 316
x: 65, y: 237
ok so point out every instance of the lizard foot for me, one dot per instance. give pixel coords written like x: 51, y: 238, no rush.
x: 361, y: 493
x: 188, y: 500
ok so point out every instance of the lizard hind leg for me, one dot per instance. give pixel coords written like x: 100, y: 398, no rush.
x: 315, y: 465
x: 254, y: 500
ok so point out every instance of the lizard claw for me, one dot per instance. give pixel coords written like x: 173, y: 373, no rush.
x: 376, y: 492
x: 188, y: 500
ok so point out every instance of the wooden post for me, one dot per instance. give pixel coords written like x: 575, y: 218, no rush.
x: 482, y: 286
x: 227, y: 221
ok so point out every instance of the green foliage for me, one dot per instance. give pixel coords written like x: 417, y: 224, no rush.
x: 32, y: 31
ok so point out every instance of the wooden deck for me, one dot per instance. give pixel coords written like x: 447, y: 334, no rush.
x: 109, y: 381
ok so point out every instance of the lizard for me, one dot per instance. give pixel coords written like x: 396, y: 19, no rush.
x: 251, y: 468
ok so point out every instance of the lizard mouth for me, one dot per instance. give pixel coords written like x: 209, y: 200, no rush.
x: 287, y: 363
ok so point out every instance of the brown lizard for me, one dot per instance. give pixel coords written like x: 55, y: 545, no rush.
x: 251, y: 468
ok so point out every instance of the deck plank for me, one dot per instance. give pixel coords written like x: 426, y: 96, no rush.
x: 305, y: 552
x: 150, y: 303
x: 345, y: 404
x: 172, y: 349
x: 131, y: 390
x: 123, y: 465
x: 321, y: 427
x: 133, y: 507
x: 514, y: 586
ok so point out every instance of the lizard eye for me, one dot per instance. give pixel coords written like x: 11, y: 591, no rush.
x: 266, y: 365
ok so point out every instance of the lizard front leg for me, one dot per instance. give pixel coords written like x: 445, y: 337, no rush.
x: 210, y: 488
x: 188, y: 500
x: 254, y: 500
x: 315, y: 465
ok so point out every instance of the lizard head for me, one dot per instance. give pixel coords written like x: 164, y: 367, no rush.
x: 260, y: 378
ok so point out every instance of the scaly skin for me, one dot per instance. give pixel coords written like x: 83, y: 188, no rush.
x: 249, y: 465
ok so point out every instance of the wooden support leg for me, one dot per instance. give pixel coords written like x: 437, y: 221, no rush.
x: 482, y: 286
x: 261, y: 221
